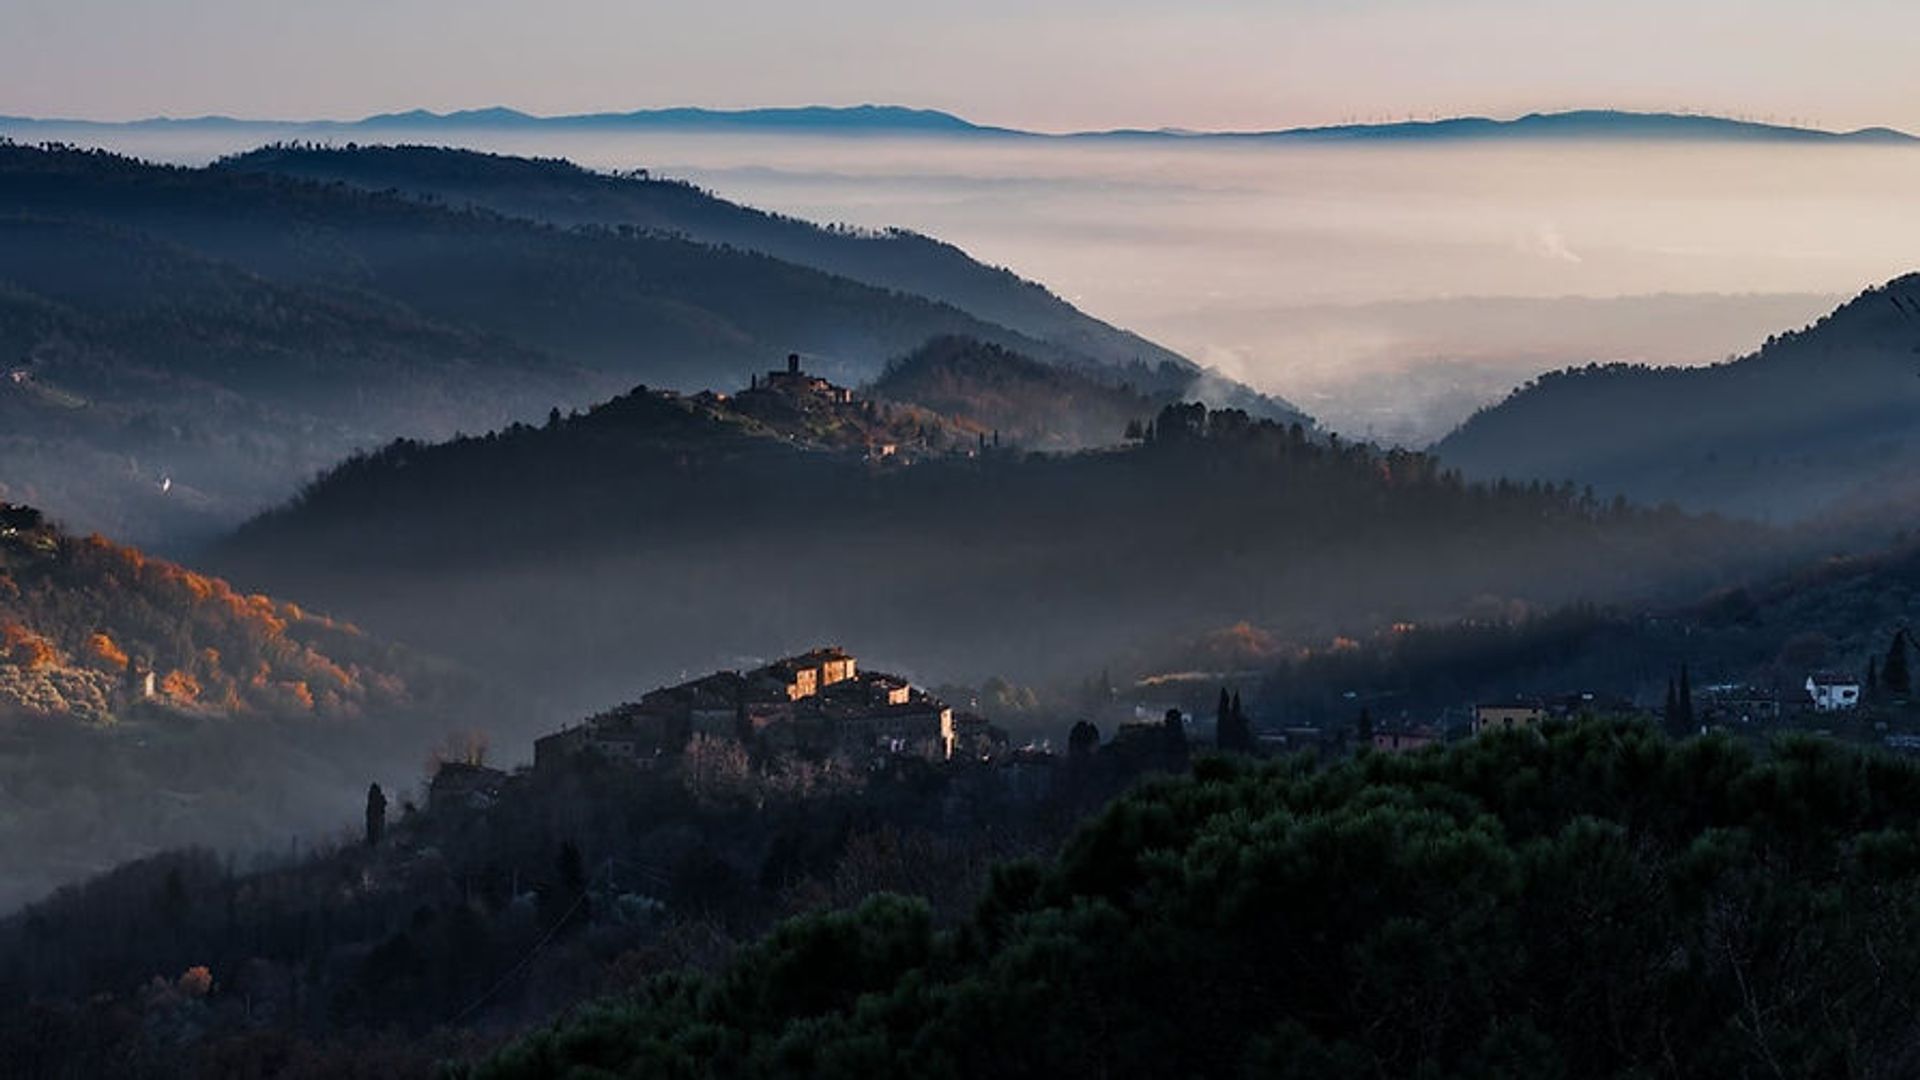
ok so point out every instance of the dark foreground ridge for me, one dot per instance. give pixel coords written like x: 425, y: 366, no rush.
x: 1580, y: 901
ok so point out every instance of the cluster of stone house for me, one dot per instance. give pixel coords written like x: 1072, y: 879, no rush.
x: 817, y: 705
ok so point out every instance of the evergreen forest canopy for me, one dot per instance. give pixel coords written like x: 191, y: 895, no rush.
x: 181, y: 347
x: 1584, y: 901
x: 1818, y: 424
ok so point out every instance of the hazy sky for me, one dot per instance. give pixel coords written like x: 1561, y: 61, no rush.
x: 1057, y: 64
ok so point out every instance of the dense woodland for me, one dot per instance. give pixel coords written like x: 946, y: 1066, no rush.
x: 1595, y: 901
x: 445, y: 927
x: 1587, y: 900
x: 645, y: 544
x: 1817, y: 424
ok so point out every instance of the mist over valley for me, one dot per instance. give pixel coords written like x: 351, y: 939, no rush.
x: 853, y: 591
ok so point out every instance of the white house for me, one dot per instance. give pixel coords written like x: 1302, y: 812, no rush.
x: 1833, y: 693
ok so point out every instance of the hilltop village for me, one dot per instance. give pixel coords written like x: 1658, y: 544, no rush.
x: 816, y: 711
x: 810, y: 410
x: 816, y: 706
x: 820, y: 711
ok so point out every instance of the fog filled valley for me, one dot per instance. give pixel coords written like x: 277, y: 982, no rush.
x: 499, y: 598
x: 1390, y: 286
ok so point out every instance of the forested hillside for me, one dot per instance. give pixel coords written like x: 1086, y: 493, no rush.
x: 565, y: 194
x: 183, y: 346
x: 144, y: 705
x: 1761, y: 641
x: 647, y: 543
x: 1819, y: 423
x: 1591, y: 902
x: 994, y: 391
x: 151, y: 391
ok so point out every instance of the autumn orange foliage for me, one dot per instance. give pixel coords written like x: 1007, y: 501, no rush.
x: 26, y: 648
x: 102, y: 649
x: 225, y: 651
x: 180, y: 686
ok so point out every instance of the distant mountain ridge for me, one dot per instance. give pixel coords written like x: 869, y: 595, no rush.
x: 1819, y: 424
x: 901, y: 120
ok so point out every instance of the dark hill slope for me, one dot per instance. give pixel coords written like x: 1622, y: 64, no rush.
x: 1587, y: 903
x: 565, y: 194
x: 644, y: 538
x: 637, y: 306
x: 1825, y: 420
x: 994, y: 391
x: 129, y: 365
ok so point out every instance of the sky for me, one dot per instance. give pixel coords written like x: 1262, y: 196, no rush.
x: 1057, y: 65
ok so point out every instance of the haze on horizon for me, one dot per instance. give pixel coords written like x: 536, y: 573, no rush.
x: 1388, y: 291
x: 1077, y: 64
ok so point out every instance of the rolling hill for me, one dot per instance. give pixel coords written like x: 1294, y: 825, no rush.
x: 565, y: 194
x: 989, y: 390
x: 656, y: 534
x: 1818, y: 424
x: 184, y: 346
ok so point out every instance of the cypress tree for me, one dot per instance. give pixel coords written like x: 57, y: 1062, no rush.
x: 1893, y: 674
x: 376, y: 815
x: 1686, y: 701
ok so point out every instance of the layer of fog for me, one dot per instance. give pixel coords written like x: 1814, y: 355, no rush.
x: 1377, y: 286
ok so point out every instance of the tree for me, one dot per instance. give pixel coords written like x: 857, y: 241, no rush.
x: 1232, y: 734
x: 376, y: 815
x: 1083, y: 740
x: 563, y: 904
x: 1894, y: 675
x: 1174, y: 725
x: 1363, y: 727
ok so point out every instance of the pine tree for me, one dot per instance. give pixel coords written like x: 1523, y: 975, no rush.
x: 1670, y: 713
x: 1363, y: 728
x: 1685, y: 715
